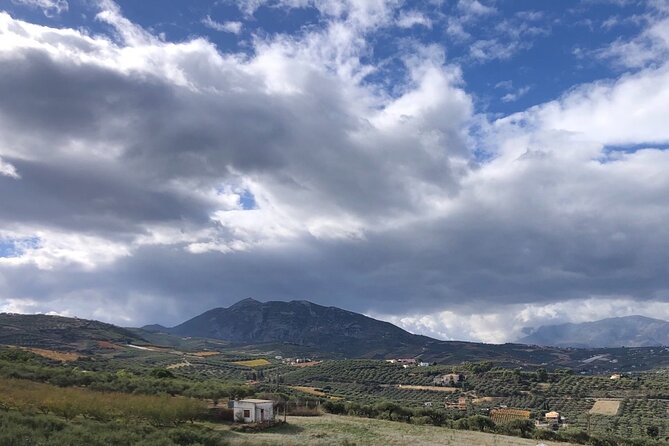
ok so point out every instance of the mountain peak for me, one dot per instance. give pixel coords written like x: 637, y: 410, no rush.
x: 249, y: 301
x: 297, y: 322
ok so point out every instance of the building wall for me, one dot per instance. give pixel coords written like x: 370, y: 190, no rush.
x: 257, y: 412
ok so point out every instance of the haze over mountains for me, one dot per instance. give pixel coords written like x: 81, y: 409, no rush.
x: 628, y: 331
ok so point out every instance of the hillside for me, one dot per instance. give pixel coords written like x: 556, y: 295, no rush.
x: 330, y: 430
x: 629, y: 331
x: 300, y: 323
x: 59, y: 333
x: 305, y: 328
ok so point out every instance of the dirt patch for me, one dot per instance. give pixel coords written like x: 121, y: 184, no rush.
x: 432, y: 388
x: 306, y: 364
x: 205, y: 354
x: 605, y: 407
x: 314, y: 391
x: 484, y: 399
x: 178, y: 365
x: 55, y: 355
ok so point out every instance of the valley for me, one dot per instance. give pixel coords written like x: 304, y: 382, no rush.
x: 613, y: 395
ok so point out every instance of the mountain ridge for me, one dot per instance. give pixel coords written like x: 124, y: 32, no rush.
x: 627, y: 331
x: 297, y: 322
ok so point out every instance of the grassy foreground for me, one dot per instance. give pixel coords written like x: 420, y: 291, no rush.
x: 343, y: 430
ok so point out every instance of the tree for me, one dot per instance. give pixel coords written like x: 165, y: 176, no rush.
x: 161, y: 373
x: 653, y: 431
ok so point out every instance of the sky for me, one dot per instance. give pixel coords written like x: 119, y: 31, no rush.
x: 464, y: 169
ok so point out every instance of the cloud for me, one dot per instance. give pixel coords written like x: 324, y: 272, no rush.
x: 509, y: 324
x: 50, y: 8
x: 409, y: 19
x: 135, y: 155
x: 629, y: 110
x: 473, y: 8
x: 8, y: 170
x: 228, y: 27
x: 650, y: 47
x: 514, y: 96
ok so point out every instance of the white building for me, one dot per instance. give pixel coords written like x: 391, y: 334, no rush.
x: 253, y: 411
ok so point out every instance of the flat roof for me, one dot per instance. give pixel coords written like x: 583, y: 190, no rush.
x: 255, y: 401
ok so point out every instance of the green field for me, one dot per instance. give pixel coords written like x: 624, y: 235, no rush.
x: 340, y: 430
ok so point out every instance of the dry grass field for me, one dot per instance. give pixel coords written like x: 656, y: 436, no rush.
x: 56, y: 356
x: 605, y: 407
x: 338, y: 430
x: 431, y: 388
x: 253, y: 362
x: 205, y: 354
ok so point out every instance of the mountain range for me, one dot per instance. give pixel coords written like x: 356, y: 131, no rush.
x: 628, y: 331
x: 302, y: 328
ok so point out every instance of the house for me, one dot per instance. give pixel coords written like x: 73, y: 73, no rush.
x: 423, y: 364
x: 552, y: 417
x: 253, y: 411
x: 460, y: 405
x: 448, y: 379
x: 616, y: 376
x: 406, y: 361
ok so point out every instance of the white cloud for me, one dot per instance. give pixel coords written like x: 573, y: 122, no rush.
x: 8, y: 170
x: 49, y: 7
x: 409, y: 19
x: 514, y: 96
x: 650, y: 47
x: 506, y: 324
x: 228, y: 27
x: 629, y: 110
x: 475, y: 8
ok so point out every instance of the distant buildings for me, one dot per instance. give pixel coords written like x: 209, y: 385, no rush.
x: 448, y: 379
x: 460, y: 405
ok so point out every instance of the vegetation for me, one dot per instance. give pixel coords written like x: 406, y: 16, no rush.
x: 15, y: 363
x: 69, y: 403
x: 28, y: 429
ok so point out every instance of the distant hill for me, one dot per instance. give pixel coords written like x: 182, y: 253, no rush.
x: 302, y: 327
x: 301, y: 323
x: 629, y: 331
x: 60, y: 333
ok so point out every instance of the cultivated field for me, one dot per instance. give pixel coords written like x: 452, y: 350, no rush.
x: 605, y: 407
x: 253, y: 363
x: 338, y: 430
